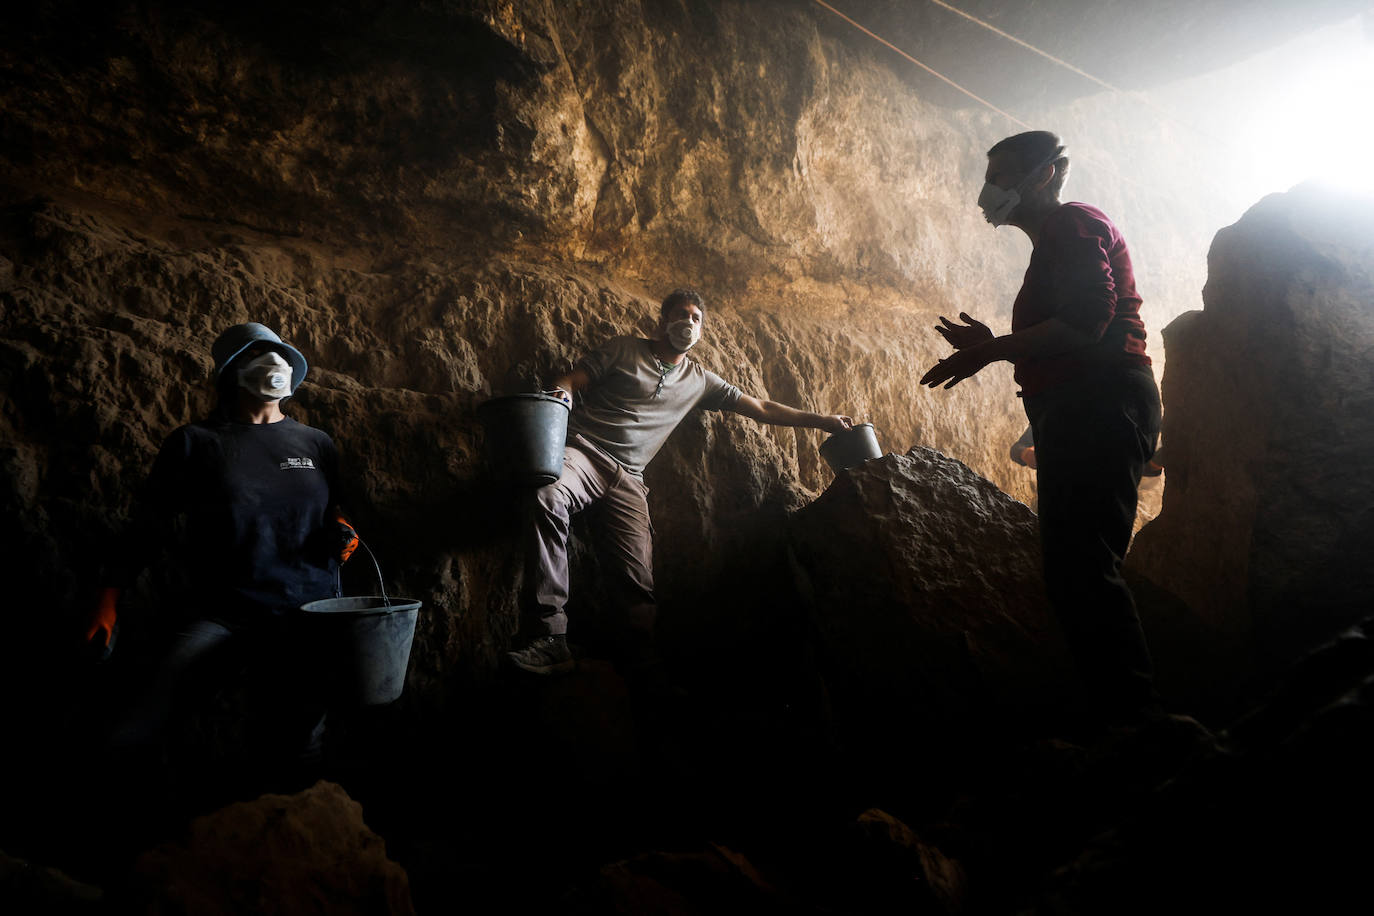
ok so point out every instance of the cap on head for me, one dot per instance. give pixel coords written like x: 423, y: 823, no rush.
x: 229, y: 345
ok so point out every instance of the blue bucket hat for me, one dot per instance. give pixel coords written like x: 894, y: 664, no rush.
x: 240, y: 337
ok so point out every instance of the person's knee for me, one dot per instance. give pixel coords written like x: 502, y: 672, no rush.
x: 549, y: 502
x: 632, y: 585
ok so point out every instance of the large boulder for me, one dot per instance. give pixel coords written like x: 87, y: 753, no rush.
x: 281, y: 854
x: 926, y: 588
x: 1268, y: 516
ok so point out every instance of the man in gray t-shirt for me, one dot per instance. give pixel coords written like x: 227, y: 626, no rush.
x: 634, y: 391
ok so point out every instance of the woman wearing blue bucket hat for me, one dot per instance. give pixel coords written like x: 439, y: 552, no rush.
x: 263, y: 535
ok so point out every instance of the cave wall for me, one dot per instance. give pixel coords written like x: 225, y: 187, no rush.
x: 442, y: 202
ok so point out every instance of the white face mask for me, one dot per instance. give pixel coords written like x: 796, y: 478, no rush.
x: 267, y: 377
x: 683, y: 334
x: 997, y: 203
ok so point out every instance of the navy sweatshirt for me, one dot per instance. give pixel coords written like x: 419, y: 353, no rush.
x: 257, y: 499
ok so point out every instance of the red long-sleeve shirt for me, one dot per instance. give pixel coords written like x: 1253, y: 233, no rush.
x: 1080, y: 272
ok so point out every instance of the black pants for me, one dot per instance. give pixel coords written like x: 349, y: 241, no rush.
x: 1093, y: 437
x: 287, y: 727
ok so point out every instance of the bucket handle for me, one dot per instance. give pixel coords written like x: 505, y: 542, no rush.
x: 381, y: 583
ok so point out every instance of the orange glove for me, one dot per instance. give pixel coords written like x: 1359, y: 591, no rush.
x: 104, y: 621
x: 348, y: 538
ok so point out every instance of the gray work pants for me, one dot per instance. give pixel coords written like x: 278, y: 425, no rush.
x: 591, y: 478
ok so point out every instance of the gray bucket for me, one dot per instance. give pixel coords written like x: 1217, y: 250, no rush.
x: 525, y: 437
x: 853, y: 446
x: 363, y: 643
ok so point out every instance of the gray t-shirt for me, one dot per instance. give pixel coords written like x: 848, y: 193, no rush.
x: 624, y: 411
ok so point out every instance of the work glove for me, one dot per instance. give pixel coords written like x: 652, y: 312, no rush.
x: 348, y: 538
x: 103, y: 624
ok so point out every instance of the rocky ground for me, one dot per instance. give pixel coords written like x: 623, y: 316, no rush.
x: 857, y: 761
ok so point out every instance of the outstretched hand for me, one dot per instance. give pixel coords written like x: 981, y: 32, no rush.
x: 956, y: 367
x: 963, y: 336
x: 837, y: 423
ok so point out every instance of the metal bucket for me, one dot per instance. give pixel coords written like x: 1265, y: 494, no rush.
x: 525, y: 436
x: 363, y: 644
x: 853, y: 446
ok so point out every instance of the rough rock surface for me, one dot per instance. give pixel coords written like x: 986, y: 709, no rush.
x: 926, y: 587
x: 1268, y: 517
x: 94, y: 389
x: 281, y: 854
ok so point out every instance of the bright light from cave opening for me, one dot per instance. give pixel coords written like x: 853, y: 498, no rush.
x: 1314, y: 119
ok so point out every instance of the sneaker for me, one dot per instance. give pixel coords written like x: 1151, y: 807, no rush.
x: 545, y: 655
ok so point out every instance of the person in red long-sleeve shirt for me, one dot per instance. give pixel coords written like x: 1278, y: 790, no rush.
x: 1078, y: 346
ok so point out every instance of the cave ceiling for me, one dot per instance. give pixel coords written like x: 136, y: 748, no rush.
x: 1130, y: 44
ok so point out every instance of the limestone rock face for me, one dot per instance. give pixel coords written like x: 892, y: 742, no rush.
x: 104, y: 350
x: 1268, y: 516
x: 926, y: 586
x: 303, y: 853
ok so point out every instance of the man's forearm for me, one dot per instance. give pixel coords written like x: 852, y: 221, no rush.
x: 776, y: 414
x: 1039, y: 341
x: 573, y: 381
